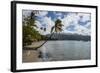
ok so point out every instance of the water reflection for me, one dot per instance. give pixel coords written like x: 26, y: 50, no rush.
x: 65, y: 50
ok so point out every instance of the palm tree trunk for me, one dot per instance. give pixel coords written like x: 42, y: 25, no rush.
x: 45, y: 41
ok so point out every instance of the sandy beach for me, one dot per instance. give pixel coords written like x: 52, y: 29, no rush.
x: 30, y: 54
x: 34, y: 45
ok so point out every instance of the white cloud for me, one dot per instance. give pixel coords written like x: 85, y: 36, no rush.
x: 82, y: 30
x: 58, y: 14
x: 41, y: 13
x: 37, y: 13
x: 26, y: 12
x: 85, y: 16
x: 49, y: 23
x: 72, y: 19
x: 88, y: 25
x: 38, y: 24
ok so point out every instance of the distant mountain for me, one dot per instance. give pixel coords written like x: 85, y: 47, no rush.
x: 63, y: 36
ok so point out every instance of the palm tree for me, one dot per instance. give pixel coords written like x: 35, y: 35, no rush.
x: 57, y: 28
x: 28, y: 28
x: 30, y: 20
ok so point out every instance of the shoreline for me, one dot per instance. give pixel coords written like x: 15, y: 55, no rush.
x: 55, y: 52
x: 33, y: 46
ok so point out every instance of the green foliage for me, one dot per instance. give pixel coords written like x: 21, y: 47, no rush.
x: 29, y: 32
x: 57, y: 22
x: 57, y: 27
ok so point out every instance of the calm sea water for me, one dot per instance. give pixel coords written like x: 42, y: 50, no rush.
x: 66, y: 50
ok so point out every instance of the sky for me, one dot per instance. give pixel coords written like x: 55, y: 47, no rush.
x: 74, y: 22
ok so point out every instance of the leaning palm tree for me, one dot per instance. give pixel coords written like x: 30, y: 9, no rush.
x: 57, y: 28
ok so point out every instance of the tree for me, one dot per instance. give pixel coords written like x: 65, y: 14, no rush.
x: 57, y: 28
x: 28, y: 30
x: 30, y: 34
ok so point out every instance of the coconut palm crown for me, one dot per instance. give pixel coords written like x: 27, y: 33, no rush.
x: 58, y: 26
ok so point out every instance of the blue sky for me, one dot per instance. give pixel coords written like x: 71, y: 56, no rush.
x: 74, y: 22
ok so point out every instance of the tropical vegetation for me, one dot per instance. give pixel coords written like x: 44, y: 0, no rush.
x: 29, y: 32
